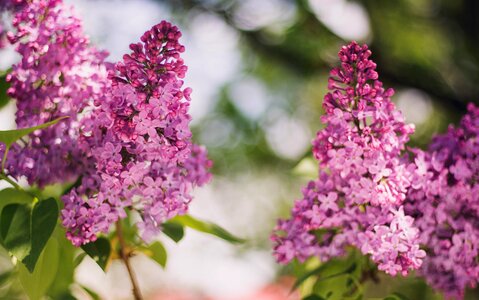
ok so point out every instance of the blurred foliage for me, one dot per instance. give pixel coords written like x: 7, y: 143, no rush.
x: 428, y: 46
x: 3, y: 90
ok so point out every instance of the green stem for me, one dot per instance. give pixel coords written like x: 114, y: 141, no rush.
x: 4, y: 159
x: 13, y: 183
x: 2, y: 171
x: 125, y: 257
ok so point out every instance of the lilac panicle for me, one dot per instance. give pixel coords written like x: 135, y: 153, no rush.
x: 59, y: 74
x: 445, y: 203
x: 140, y: 144
x: 363, y: 177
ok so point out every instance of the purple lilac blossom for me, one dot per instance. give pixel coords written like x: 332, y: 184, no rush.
x: 7, y: 7
x: 140, y: 144
x: 59, y: 74
x: 363, y: 177
x: 445, y: 204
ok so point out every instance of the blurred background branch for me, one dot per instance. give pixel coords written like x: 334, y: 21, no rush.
x: 430, y: 45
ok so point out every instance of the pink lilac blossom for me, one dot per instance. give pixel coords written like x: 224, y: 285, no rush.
x: 7, y: 7
x: 59, y: 74
x: 140, y: 144
x: 445, y: 203
x: 363, y: 176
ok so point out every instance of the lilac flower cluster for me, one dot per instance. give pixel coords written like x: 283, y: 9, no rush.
x: 127, y: 134
x: 444, y: 202
x: 140, y: 144
x: 363, y: 177
x: 59, y: 74
x: 7, y: 7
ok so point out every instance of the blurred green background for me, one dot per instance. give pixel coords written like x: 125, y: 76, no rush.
x: 427, y: 50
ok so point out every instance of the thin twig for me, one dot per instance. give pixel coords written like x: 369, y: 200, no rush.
x: 13, y: 183
x: 2, y: 171
x: 4, y: 159
x: 125, y: 258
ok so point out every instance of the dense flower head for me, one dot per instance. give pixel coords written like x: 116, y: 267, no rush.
x: 445, y: 203
x: 140, y: 144
x: 363, y: 177
x: 59, y: 74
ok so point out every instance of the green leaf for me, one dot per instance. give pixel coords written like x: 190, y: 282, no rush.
x: 335, y: 282
x: 4, y: 277
x: 173, y: 230
x: 99, y: 250
x: 11, y: 195
x: 396, y: 296
x: 25, y: 231
x: 347, y: 271
x: 43, y: 221
x: 8, y: 137
x: 319, y: 270
x: 301, y: 279
x: 313, y: 297
x: 158, y: 253
x: 65, y: 296
x: 129, y: 229
x: 4, y: 73
x: 60, y: 288
x: 91, y: 293
x: 3, y: 91
x: 206, y: 227
x: 36, y: 284
x: 78, y: 259
x: 15, y: 229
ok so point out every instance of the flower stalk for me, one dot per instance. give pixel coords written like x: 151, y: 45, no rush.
x: 125, y: 256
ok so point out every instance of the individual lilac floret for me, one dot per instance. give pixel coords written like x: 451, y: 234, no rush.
x: 140, y: 144
x: 59, y: 74
x: 444, y: 200
x: 363, y: 179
